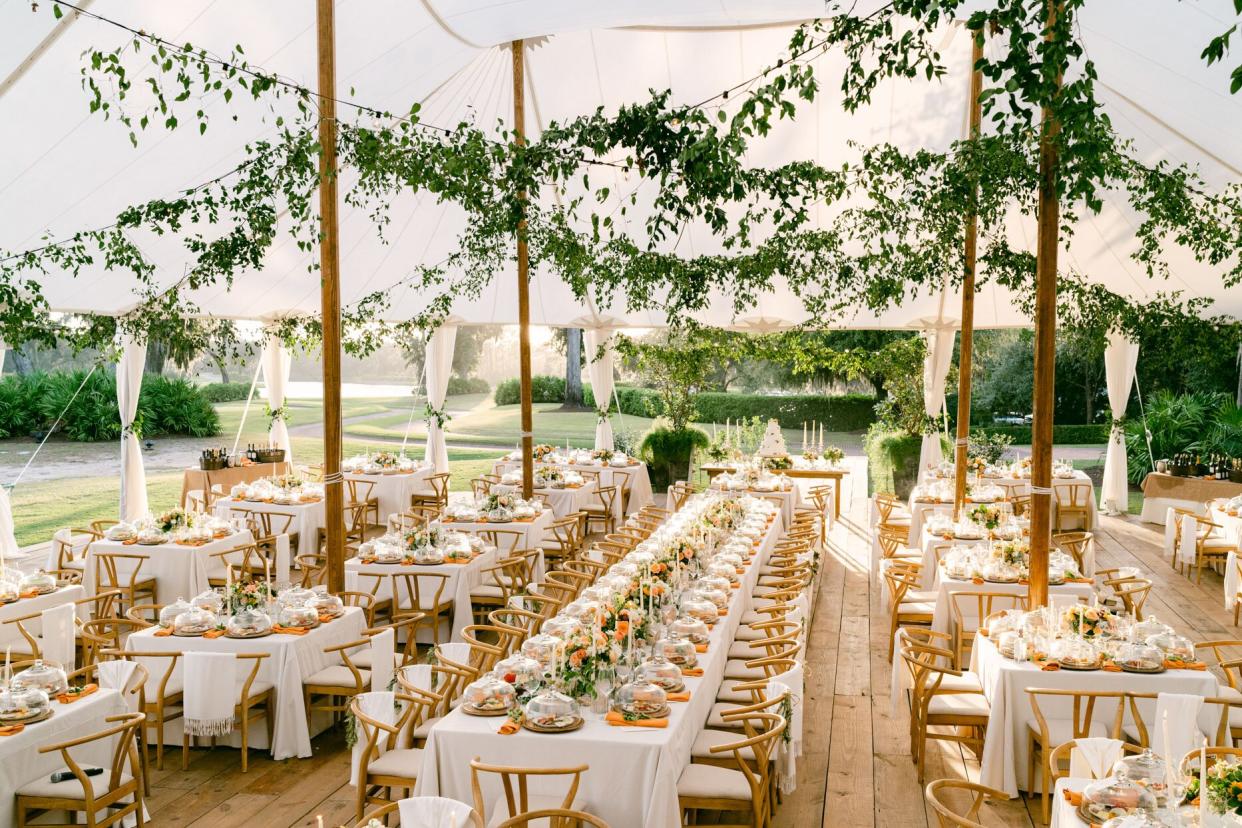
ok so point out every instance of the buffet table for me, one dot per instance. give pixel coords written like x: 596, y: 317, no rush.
x: 179, y: 571
x: 1004, y: 682
x: 20, y: 760
x: 195, y: 479
x: 652, y: 759
x: 1162, y: 491
x: 292, y: 658
x: 834, y: 475
x: 463, y: 578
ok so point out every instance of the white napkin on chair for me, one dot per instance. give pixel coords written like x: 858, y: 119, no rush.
x: 211, y: 693
x: 434, y: 812
x: 380, y: 705
x: 457, y: 651
x: 383, y: 655
x: 57, y: 640
x: 281, y: 575
x: 787, y: 753
x: 116, y: 675
x: 1185, y: 552
x: 1170, y: 533
x: 418, y: 675
x: 1093, y: 757
x: 1183, y: 712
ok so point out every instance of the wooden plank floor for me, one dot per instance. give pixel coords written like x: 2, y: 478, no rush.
x: 856, y: 770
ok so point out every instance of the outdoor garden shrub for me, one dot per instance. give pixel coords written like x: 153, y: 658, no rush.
x: 543, y: 389
x: 467, y: 385
x: 667, y: 451
x: 217, y: 392
x: 892, y: 461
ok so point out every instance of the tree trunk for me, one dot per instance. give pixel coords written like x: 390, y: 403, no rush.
x: 1089, y: 388
x: 221, y: 364
x: 157, y: 353
x: 573, y: 368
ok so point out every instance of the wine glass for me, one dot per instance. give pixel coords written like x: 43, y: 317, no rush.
x: 605, y: 680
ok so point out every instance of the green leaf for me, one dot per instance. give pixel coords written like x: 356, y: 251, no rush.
x: 56, y: 11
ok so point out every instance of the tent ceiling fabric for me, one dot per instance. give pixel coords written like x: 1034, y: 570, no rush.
x: 66, y: 169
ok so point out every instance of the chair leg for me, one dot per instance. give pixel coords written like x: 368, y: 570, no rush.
x: 245, y: 734
x: 1030, y: 763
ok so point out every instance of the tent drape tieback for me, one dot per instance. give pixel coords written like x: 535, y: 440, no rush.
x: 1120, y: 361
x: 439, y: 365
x: 276, y: 362
x: 128, y: 387
x: 935, y: 372
x: 599, y: 372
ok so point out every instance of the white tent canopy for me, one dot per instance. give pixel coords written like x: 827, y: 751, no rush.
x: 67, y: 169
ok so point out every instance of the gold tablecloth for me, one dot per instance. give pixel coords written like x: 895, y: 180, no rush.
x: 1194, y: 489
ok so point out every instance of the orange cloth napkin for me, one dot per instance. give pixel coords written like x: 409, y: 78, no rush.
x: 455, y: 561
x: 1048, y: 666
x: 509, y: 727
x: 1184, y: 665
x: 12, y: 730
x: 700, y: 648
x: 692, y: 671
x: 30, y: 593
x: 276, y: 628
x: 722, y: 613
x: 1072, y: 797
x: 741, y: 570
x: 976, y: 580
x: 70, y: 697
x: 213, y: 633
x: 163, y: 632
x: 1110, y: 667
x: 617, y: 720
x: 682, y: 696
x: 326, y: 619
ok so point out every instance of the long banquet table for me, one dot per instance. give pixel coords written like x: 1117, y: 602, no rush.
x: 1004, y: 683
x: 290, y: 659
x: 179, y: 571
x: 633, y: 771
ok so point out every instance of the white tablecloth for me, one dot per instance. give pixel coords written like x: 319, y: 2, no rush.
x: 179, y: 571
x: 462, y: 579
x: 308, y: 518
x: 639, y: 479
x: 28, y: 606
x: 20, y: 760
x: 292, y: 658
x: 942, y: 617
x: 1004, y: 681
x: 633, y: 771
x: 930, y: 573
x: 393, y: 490
x: 564, y: 502
x: 534, y: 532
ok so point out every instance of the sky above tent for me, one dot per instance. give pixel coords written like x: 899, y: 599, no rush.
x: 66, y: 169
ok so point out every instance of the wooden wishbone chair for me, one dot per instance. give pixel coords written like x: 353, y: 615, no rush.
x: 937, y: 794
x: 515, y: 781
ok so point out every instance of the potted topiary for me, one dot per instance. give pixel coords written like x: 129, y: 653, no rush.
x: 667, y: 450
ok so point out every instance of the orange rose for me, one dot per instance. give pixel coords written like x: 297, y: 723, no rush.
x: 576, y: 658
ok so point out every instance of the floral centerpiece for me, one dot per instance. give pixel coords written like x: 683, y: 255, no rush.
x: 986, y: 515
x: 1224, y: 788
x: 287, y: 481
x: 430, y: 536
x: 500, y: 500
x: 541, y: 450
x: 585, y: 652
x: 778, y: 462
x: 1088, y: 622
x: 247, y: 594
x: 1013, y: 552
x: 386, y: 460
x: 549, y: 477
x: 602, y: 455
x: 173, y: 519
x: 834, y: 455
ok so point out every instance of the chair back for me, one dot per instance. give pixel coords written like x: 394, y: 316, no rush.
x: 1073, y: 495
x: 1082, y: 711
x: 418, y: 591
x: 553, y: 818
x: 1075, y: 544
x: 1215, y: 753
x: 359, y: 490
x: 515, y: 782
x: 506, y: 541
x: 939, y: 791
x: 969, y: 608
x: 112, y: 567
x: 382, y: 814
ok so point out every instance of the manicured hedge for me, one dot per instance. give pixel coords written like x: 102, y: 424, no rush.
x: 225, y: 391
x: 1062, y: 435
x: 543, y: 389
x: 848, y: 412
x: 166, y: 406
x: 467, y: 385
x: 892, y: 461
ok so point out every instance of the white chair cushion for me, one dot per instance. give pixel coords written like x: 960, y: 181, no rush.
x: 259, y: 686
x: 967, y: 682
x: 958, y: 704
x: 708, y: 739
x: 422, y: 731
x: 710, y: 782
x: 743, y: 650
x: 729, y: 695
x: 486, y: 591
x: 362, y: 658
x: 70, y: 789
x: 745, y: 633
x: 738, y: 670
x: 76, y: 563
x: 924, y: 607
x: 401, y: 762
x: 1218, y: 543
x: 716, y: 717
x: 338, y: 675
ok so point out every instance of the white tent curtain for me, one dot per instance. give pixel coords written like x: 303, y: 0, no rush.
x: 1120, y: 359
x: 8, y: 541
x: 439, y: 364
x: 599, y: 372
x: 935, y: 371
x: 128, y: 386
x: 276, y: 361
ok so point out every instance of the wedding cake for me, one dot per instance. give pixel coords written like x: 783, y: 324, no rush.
x: 773, y: 444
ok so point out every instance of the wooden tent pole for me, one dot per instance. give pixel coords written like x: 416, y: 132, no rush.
x: 1045, y: 345
x: 523, y: 279
x: 966, y: 352
x: 330, y: 299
